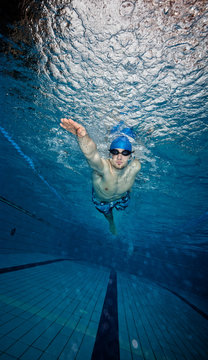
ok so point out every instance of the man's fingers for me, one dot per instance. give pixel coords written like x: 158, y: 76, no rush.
x: 66, y: 121
x: 71, y: 123
x: 73, y: 127
x: 68, y: 126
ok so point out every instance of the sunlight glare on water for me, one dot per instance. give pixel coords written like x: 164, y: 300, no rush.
x: 138, y: 61
x: 143, y: 62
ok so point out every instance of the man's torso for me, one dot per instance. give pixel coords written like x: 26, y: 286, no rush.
x: 112, y: 185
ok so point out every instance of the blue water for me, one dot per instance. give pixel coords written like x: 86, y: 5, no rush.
x: 99, y: 70
x: 144, y: 64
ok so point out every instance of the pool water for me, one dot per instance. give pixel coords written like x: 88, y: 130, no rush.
x: 101, y: 63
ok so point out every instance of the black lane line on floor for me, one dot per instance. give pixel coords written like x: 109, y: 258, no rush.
x: 106, y: 345
x: 27, y: 266
x: 194, y: 307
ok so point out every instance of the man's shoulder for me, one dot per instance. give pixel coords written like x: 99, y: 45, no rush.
x: 135, y: 165
x: 105, y: 164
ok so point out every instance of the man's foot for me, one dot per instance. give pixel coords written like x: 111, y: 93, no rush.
x: 113, y: 228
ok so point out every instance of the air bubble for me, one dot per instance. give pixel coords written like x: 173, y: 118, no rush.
x: 134, y: 344
x: 127, y: 8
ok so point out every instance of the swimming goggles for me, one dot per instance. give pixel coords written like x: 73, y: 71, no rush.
x: 124, y: 152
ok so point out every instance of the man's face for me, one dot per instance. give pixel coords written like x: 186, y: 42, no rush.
x: 120, y: 161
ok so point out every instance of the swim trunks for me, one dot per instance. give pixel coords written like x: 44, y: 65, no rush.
x: 107, y: 207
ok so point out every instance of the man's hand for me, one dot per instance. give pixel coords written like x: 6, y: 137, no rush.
x: 73, y: 127
x: 86, y: 144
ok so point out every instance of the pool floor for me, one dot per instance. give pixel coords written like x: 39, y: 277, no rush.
x: 65, y: 310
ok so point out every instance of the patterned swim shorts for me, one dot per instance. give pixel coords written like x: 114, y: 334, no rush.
x: 106, y: 207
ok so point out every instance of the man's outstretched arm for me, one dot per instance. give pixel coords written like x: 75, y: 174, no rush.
x: 86, y: 144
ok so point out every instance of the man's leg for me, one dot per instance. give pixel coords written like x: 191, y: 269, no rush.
x: 110, y: 219
x: 107, y: 211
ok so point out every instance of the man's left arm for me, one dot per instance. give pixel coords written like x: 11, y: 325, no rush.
x: 135, y: 166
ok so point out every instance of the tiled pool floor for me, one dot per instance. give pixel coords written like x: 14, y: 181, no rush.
x: 53, y: 312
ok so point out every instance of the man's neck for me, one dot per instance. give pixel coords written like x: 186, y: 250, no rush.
x: 115, y: 170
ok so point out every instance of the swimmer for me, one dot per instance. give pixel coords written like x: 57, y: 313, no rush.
x: 112, y: 178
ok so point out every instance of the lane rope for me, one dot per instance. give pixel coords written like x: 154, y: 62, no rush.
x: 29, y: 161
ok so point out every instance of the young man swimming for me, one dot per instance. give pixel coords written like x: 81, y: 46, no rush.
x: 112, y: 178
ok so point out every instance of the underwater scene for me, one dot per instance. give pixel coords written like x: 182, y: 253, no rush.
x: 104, y: 179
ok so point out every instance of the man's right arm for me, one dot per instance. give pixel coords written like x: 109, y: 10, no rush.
x: 86, y: 144
x: 90, y: 151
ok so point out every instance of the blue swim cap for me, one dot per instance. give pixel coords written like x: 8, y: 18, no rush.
x: 121, y: 142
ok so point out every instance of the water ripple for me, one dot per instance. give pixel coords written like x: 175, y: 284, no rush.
x: 144, y: 62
